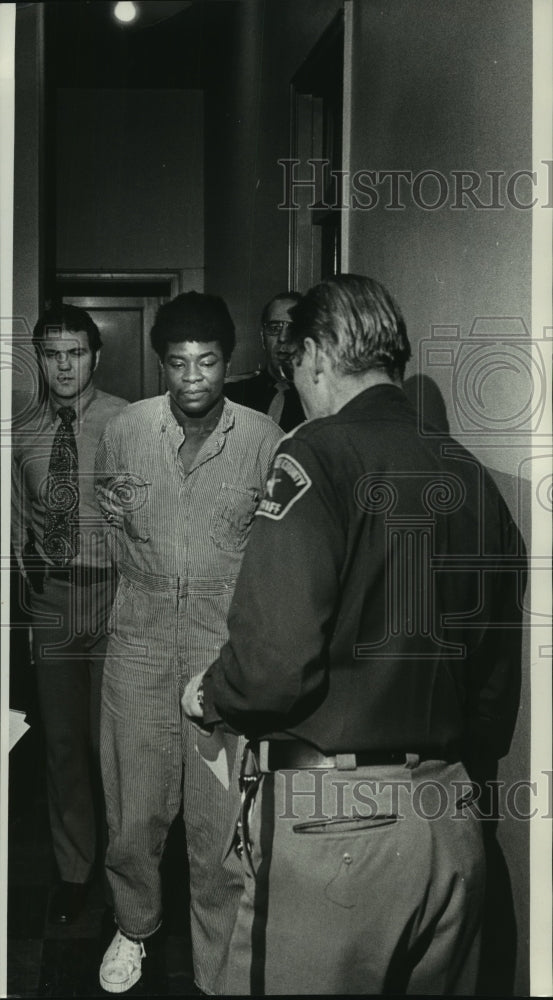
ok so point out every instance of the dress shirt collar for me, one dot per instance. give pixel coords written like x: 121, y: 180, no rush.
x: 80, y: 404
x: 226, y: 420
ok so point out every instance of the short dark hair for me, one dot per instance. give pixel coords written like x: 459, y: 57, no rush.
x: 73, y: 319
x: 193, y: 316
x: 357, y: 322
x: 281, y: 297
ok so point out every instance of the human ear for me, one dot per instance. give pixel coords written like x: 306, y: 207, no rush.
x: 313, y: 353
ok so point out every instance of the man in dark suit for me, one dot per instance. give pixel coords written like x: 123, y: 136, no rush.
x: 268, y: 390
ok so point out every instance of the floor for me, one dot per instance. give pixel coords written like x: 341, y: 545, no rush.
x: 45, y: 960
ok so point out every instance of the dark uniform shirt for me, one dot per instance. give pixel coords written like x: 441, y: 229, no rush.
x: 378, y: 603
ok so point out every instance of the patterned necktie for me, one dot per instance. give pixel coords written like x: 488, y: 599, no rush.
x: 61, y: 523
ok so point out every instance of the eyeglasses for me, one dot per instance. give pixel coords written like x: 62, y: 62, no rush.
x: 276, y: 326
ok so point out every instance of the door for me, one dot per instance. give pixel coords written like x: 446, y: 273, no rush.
x: 128, y: 366
x: 124, y: 309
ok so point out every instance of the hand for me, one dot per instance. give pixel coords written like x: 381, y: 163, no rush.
x: 192, y: 700
x: 110, y: 505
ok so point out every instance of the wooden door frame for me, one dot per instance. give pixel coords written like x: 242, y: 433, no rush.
x: 308, y: 95
x: 175, y: 278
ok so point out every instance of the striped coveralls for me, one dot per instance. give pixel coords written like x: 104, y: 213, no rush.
x: 178, y: 555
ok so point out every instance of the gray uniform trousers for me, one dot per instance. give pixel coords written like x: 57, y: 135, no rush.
x: 359, y: 882
x: 152, y: 756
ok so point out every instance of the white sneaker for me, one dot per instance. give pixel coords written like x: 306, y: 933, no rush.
x: 121, y: 966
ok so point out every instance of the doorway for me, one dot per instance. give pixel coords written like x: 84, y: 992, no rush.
x: 316, y: 118
x: 123, y: 306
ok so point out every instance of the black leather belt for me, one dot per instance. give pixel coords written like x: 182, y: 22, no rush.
x: 282, y: 755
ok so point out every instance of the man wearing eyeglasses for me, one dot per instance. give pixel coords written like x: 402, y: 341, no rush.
x: 269, y: 391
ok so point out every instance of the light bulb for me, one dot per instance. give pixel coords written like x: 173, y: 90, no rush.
x: 125, y: 12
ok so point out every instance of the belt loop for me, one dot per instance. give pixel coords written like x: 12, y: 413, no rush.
x: 346, y: 762
x: 412, y: 760
x: 263, y: 761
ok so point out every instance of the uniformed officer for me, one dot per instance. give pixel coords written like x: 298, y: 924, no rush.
x: 373, y: 660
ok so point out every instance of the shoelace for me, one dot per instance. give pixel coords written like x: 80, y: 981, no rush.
x: 124, y: 945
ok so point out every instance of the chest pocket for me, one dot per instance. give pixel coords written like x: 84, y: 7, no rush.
x: 232, y: 517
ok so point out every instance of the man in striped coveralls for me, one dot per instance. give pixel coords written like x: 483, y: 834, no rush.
x: 178, y: 479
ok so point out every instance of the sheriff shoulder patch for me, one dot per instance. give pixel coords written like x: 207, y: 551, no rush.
x: 287, y: 482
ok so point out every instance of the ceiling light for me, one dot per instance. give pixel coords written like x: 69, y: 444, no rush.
x: 125, y: 12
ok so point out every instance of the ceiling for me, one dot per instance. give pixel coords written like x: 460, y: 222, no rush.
x: 173, y: 43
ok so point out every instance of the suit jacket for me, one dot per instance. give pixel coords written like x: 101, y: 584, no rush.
x: 258, y: 392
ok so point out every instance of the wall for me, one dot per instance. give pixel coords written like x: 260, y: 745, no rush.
x: 29, y: 227
x: 127, y: 166
x: 443, y: 87
x: 28, y: 172
x: 130, y: 180
x: 247, y: 131
x: 447, y: 88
